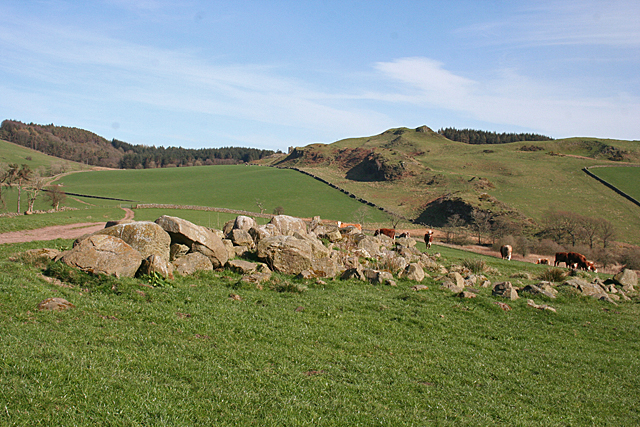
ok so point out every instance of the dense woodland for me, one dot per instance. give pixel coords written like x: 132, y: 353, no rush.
x: 86, y: 147
x: 472, y: 136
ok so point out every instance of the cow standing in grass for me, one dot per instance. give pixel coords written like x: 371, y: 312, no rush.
x: 561, y: 257
x: 428, y: 238
x: 505, y: 251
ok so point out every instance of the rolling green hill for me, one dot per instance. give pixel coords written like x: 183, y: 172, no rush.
x: 413, y: 171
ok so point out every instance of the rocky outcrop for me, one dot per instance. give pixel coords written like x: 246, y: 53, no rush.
x: 505, y: 290
x: 286, y: 254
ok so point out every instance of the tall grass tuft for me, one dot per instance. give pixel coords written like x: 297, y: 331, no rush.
x: 553, y: 275
x: 475, y: 265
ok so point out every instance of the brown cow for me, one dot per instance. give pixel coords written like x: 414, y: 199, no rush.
x: 577, y: 260
x: 345, y: 224
x: 542, y: 261
x: 591, y: 267
x: 561, y: 257
x: 428, y: 238
x: 389, y: 232
x: 505, y: 251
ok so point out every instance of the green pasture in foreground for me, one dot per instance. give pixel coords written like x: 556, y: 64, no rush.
x: 626, y: 179
x: 233, y: 187
x: 340, y: 353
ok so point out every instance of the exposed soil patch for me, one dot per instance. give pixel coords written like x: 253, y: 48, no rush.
x: 69, y: 231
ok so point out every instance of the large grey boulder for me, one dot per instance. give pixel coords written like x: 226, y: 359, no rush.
x: 198, y: 238
x: 287, y: 225
x: 146, y: 237
x: 103, y: 254
x: 627, y: 279
x: 241, y: 266
x: 190, y: 263
x: 286, y: 254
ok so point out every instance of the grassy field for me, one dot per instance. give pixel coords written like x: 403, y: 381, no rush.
x: 344, y: 353
x: 625, y: 179
x: 233, y: 187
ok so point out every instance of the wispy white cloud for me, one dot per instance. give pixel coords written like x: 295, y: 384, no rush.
x: 513, y: 99
x: 612, y: 23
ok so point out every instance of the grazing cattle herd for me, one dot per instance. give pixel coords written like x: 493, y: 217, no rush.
x: 572, y: 260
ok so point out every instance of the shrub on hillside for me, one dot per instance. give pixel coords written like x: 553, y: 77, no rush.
x: 553, y: 275
x: 631, y: 258
x: 546, y: 247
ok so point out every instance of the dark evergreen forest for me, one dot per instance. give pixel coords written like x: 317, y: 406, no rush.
x: 472, y: 136
x: 86, y: 147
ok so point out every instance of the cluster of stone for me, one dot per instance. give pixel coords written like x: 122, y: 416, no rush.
x: 289, y: 245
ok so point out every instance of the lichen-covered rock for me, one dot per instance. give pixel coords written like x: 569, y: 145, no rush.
x: 146, y: 237
x: 241, y: 266
x: 241, y: 237
x: 542, y: 288
x: 245, y: 223
x: 413, y: 272
x: 155, y: 264
x: 285, y: 254
x: 190, y: 263
x: 103, y: 254
x: 177, y: 250
x: 505, y: 290
x: 287, y: 225
x: 627, y: 278
x: 55, y: 304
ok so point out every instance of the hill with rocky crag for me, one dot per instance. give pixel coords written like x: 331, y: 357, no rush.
x: 422, y: 175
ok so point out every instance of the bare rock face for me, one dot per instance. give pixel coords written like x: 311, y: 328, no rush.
x: 198, y: 238
x: 146, y: 237
x: 368, y: 243
x: 285, y: 254
x: 506, y: 290
x: 190, y: 263
x: 584, y: 287
x: 156, y: 264
x: 103, y: 254
x: 287, y: 225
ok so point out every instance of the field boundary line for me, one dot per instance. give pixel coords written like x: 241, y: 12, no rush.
x: 607, y: 184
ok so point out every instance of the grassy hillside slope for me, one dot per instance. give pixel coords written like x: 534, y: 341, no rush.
x: 625, y: 179
x: 13, y: 153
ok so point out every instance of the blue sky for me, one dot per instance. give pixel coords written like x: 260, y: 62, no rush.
x: 273, y: 74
